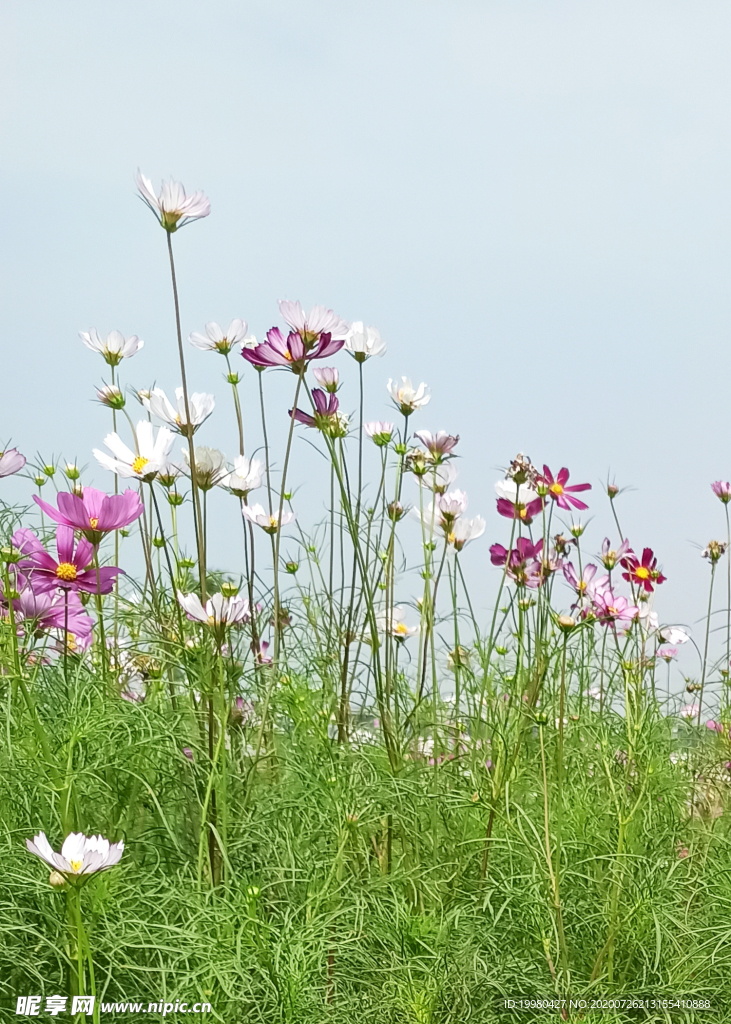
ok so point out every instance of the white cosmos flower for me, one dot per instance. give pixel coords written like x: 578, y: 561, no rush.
x: 379, y: 431
x: 210, y: 466
x: 115, y: 347
x: 364, y: 342
x: 393, y: 622
x: 150, y: 459
x: 320, y: 320
x: 673, y: 636
x: 247, y: 475
x: 219, y: 611
x: 200, y: 405
x: 513, y: 492
x: 270, y: 524
x: 443, y: 512
x: 405, y: 397
x: 465, y: 530
x: 172, y: 207
x: 80, y: 854
x: 216, y: 340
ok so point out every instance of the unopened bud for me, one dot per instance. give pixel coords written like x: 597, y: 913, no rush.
x: 229, y: 589
x: 40, y: 481
x: 10, y: 555
x: 72, y: 471
x: 612, y: 491
x: 396, y: 511
x: 56, y: 880
x: 292, y: 567
x: 186, y: 563
x: 124, y: 533
x: 577, y: 529
x: 566, y: 622
x: 541, y: 717
x: 233, y: 378
x: 49, y: 470
x: 175, y: 498
x: 158, y: 541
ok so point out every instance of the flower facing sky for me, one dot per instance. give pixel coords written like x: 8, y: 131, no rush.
x: 210, y: 466
x: 150, y: 459
x: 560, y: 492
x: 722, y: 490
x: 364, y: 342
x: 219, y: 613
x: 11, y: 462
x: 172, y: 207
x: 201, y: 406
x: 313, y: 326
x: 438, y: 445
x: 80, y: 854
x: 406, y: 398
x: 114, y: 348
x: 642, y: 572
x: 70, y: 570
x: 269, y: 523
x: 216, y: 340
x: 93, y: 513
x: 246, y: 476
x: 379, y: 431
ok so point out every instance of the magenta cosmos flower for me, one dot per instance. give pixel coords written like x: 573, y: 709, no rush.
x: 70, y: 570
x: 560, y: 492
x: 523, y: 561
x: 326, y: 406
x: 94, y: 513
x: 45, y: 610
x: 645, y: 572
x: 293, y: 352
x: 11, y: 462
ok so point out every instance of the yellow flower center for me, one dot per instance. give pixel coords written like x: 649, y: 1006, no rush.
x: 139, y: 463
x: 66, y: 571
x: 401, y: 629
x: 451, y: 537
x: 642, y: 573
x: 556, y: 488
x: 612, y: 610
x: 76, y: 866
x: 582, y: 585
x: 273, y: 522
x: 288, y: 356
x: 93, y: 522
x: 522, y: 512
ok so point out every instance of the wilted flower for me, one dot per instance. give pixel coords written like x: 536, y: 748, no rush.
x: 269, y: 523
x: 393, y: 622
x: 150, y: 458
x: 522, y: 471
x: 560, y: 492
x: 200, y: 405
x: 210, y: 466
x: 172, y: 207
x: 80, y: 855
x: 379, y: 431
x: 327, y: 377
x: 11, y: 462
x: 115, y: 347
x: 247, y: 475
x: 93, y: 513
x: 363, y: 342
x: 405, y: 398
x: 215, y: 340
x: 722, y: 490
x: 714, y: 551
x: 645, y: 573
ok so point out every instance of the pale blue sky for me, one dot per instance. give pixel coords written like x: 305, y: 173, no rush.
x: 530, y: 200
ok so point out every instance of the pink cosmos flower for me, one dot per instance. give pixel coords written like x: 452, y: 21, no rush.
x: 666, y: 653
x: 523, y: 561
x: 644, y: 573
x: 11, y: 462
x: 614, y: 610
x: 438, y: 445
x: 560, y: 492
x: 581, y: 585
x: 722, y: 490
x: 326, y: 407
x: 71, y: 570
x: 172, y: 207
x: 327, y: 377
x: 610, y: 557
x: 45, y: 610
x: 94, y: 513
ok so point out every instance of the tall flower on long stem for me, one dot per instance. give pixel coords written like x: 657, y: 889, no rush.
x: 560, y: 491
x: 217, y: 340
x: 187, y: 415
x: 643, y: 572
x: 364, y: 342
x: 114, y: 347
x: 171, y: 206
x: 406, y: 397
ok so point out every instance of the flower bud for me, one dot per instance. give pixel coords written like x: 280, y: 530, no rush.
x: 124, y: 533
x: 158, y: 541
x: 175, y: 498
x: 287, y: 495
x: 541, y: 717
x: 396, y: 511
x: 577, y: 529
x: 10, y: 555
x: 40, y: 481
x: 72, y: 471
x: 56, y: 880
x: 566, y: 623
x: 186, y: 563
x: 49, y: 470
x: 292, y: 567
x: 229, y: 589
x: 233, y: 378
x: 111, y: 396
x: 612, y: 491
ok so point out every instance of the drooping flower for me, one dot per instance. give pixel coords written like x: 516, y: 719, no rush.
x: 644, y: 573
x: 560, y: 492
x: 93, y: 513
x: 466, y: 530
x: 722, y: 490
x: 172, y: 207
x: 200, y: 405
x: 111, y: 396
x: 11, y: 462
x: 246, y: 476
x: 610, y: 557
x: 407, y: 399
x: 714, y: 551
x: 364, y: 342
x: 438, y: 445
x: 80, y: 855
x: 269, y: 523
x: 70, y: 570
x: 216, y: 340
x: 379, y: 432
x: 210, y: 466
x: 219, y: 613
x: 326, y: 408
x: 327, y: 377
x: 150, y: 459
x: 393, y: 622
x: 313, y: 326
x: 114, y: 348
